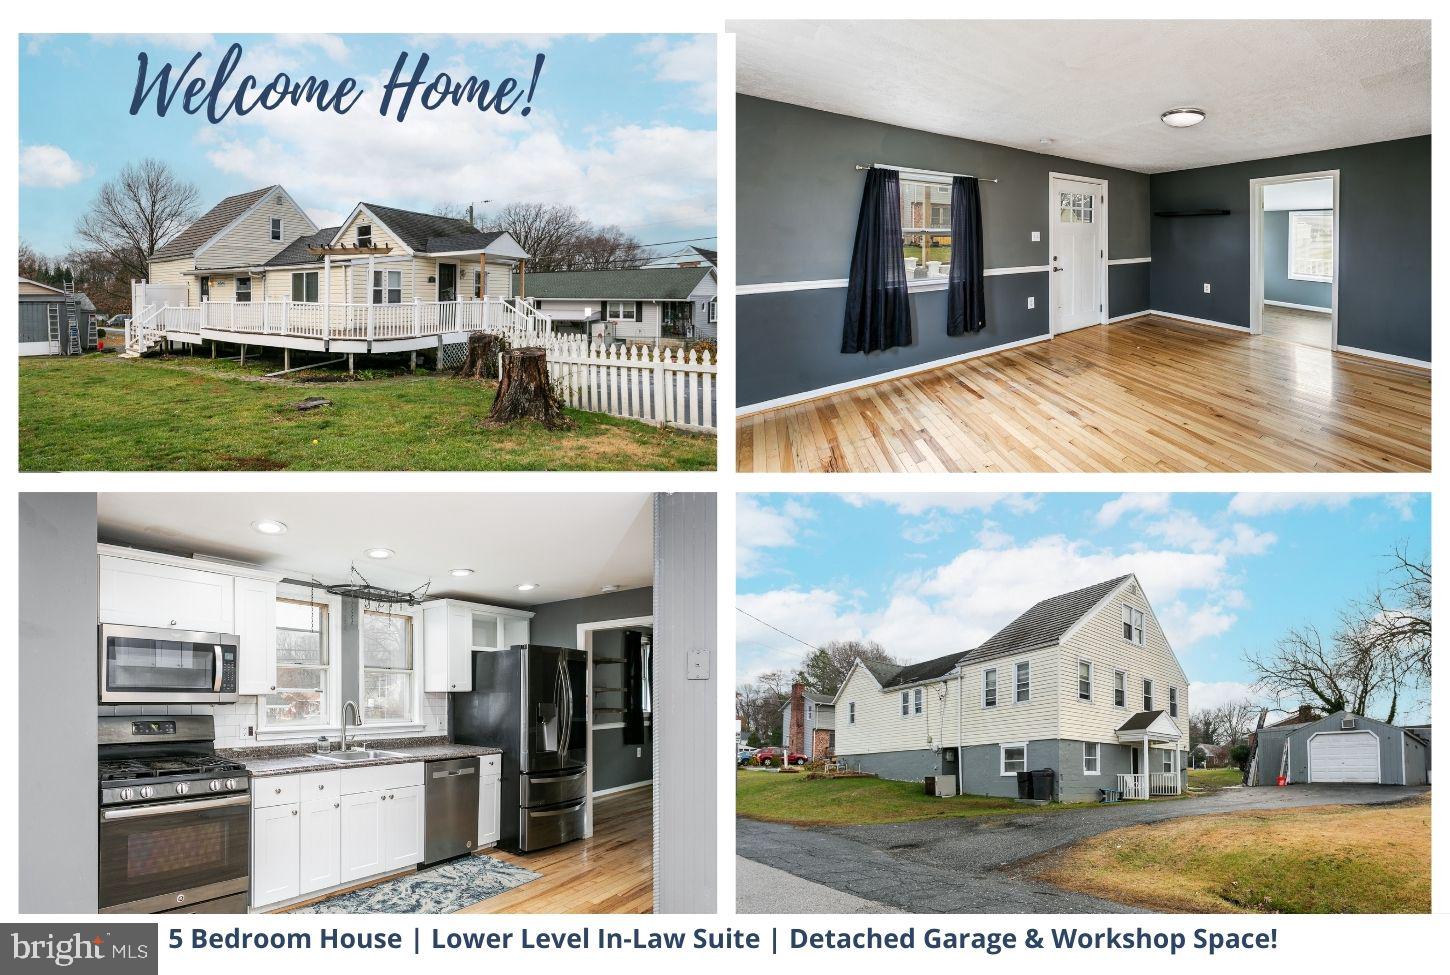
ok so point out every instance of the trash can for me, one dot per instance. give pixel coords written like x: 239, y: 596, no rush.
x: 1024, y: 785
x: 1042, y: 783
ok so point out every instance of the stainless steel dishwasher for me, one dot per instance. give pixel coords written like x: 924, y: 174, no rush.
x: 450, y: 808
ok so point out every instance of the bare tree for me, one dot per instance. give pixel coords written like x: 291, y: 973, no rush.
x: 826, y: 667
x: 1304, y: 667
x: 762, y: 702
x: 144, y: 206
x: 1223, y: 724
x: 547, y: 232
x: 605, y: 249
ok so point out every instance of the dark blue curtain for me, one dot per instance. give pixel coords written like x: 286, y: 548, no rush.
x: 878, y: 312
x: 966, y: 296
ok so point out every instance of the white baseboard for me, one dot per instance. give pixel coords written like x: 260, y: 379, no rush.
x: 623, y: 788
x: 1290, y: 304
x: 1129, y: 315
x: 1198, y: 321
x: 772, y: 404
x: 1385, y: 356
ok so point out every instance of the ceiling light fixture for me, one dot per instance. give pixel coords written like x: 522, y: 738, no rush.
x: 460, y: 573
x: 379, y: 553
x: 527, y: 586
x: 1182, y: 118
x: 268, y: 526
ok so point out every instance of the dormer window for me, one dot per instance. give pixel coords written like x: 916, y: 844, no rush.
x: 276, y: 228
x: 365, y: 235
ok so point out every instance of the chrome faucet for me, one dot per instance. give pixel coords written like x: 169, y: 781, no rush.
x: 357, y: 720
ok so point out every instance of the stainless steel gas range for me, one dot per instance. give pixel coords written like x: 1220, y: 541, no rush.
x: 175, y: 818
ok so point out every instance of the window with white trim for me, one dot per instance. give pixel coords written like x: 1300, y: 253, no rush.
x: 916, y: 701
x: 1090, y: 764
x: 1014, y: 757
x: 1132, y: 625
x: 1120, y: 688
x: 1167, y: 760
x: 1147, y: 694
x: 1024, y: 683
x: 304, y: 662
x: 244, y: 289
x: 387, y: 287
x: 712, y: 311
x: 1311, y: 245
x: 926, y: 227
x: 619, y: 311
x: 304, y: 286
x: 1084, y: 680
x: 851, y: 713
x: 387, y: 659
x: 365, y: 235
x: 1173, y: 702
x: 989, y: 687
x: 905, y: 703
x: 276, y: 228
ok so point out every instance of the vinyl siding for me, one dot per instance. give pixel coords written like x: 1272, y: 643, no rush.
x: 382, y: 237
x: 250, y: 243
x: 1035, y: 719
x: 879, y: 725
x: 170, y: 272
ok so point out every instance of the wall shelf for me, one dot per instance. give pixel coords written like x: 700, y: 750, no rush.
x: 1190, y: 213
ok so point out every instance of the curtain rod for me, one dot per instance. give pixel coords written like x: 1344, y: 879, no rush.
x: 929, y: 172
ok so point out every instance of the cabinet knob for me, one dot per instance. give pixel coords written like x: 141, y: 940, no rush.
x: 336, y: 804
x: 274, y: 687
x: 294, y: 812
x: 320, y: 787
x: 277, y: 791
x: 173, y: 622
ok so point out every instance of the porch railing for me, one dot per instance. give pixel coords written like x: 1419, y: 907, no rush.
x: 1133, y: 786
x: 355, y: 320
x: 1146, y: 785
x: 1163, y: 784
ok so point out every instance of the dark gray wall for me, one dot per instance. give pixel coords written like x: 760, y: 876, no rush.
x: 797, y: 198
x: 1277, y: 284
x: 910, y: 765
x: 615, y: 762
x: 56, y: 790
x: 1272, y: 741
x: 1384, y: 242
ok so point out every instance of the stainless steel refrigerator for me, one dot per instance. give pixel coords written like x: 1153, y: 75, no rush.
x: 530, y: 701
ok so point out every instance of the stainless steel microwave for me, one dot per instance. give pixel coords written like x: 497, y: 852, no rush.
x: 153, y: 665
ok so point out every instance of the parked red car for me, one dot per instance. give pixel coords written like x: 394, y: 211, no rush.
x: 772, y: 757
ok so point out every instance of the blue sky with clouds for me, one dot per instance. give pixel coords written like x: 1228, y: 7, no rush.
x: 622, y: 127
x: 926, y: 574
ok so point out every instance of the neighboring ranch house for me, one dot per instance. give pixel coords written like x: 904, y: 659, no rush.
x: 45, y: 320
x: 256, y: 269
x: 1339, y: 748
x: 1083, y: 683
x: 630, y: 303
x: 808, y: 723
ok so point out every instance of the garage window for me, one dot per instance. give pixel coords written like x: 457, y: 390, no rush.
x: 1090, y: 758
x: 1014, y: 757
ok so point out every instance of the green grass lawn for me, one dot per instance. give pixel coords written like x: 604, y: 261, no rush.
x: 1213, y: 779
x: 96, y: 412
x: 782, y: 797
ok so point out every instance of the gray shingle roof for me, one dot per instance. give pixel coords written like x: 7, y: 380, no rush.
x: 712, y: 256
x: 818, y: 697
x: 1140, y: 721
x: 637, y: 284
x: 429, y: 233
x: 209, y: 224
x: 926, y: 670
x: 1045, y: 623
x: 297, y: 252
x: 459, y: 242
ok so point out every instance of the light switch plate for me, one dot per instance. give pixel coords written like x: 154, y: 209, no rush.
x: 1031, y: 301
x: 1207, y: 288
x: 1036, y: 235
x: 697, y: 665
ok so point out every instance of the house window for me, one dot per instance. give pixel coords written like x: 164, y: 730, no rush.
x: 477, y: 285
x: 1147, y: 695
x: 304, y: 286
x: 1014, y: 757
x: 810, y: 710
x: 916, y: 701
x: 1167, y: 760
x: 1120, y: 688
x: 1024, y: 687
x: 365, y: 235
x: 1173, y: 702
x: 1090, y: 758
x: 989, y: 687
x: 711, y: 311
x: 387, y: 287
x: 905, y: 703
x: 620, y: 311
x: 276, y: 228
x: 244, y: 289
x: 851, y: 713
x: 926, y: 227
x: 387, y: 658
x: 1311, y: 245
x: 1084, y: 680
x: 1075, y: 207
x: 303, y: 661
x: 1132, y: 625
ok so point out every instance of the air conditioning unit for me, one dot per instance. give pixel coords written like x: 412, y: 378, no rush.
x: 1348, y: 724
x: 941, y: 786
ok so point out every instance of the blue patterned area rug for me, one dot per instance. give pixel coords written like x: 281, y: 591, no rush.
x: 442, y: 889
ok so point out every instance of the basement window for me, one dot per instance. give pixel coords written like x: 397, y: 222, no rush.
x: 1090, y: 758
x: 1311, y: 245
x: 1014, y: 757
x: 926, y: 228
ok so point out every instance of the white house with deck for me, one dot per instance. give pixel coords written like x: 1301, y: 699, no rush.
x: 256, y: 270
x: 1083, y: 683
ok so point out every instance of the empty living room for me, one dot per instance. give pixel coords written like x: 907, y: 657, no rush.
x: 1083, y: 246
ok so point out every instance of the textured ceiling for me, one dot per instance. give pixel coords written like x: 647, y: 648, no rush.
x: 1303, y: 194
x: 1096, y: 88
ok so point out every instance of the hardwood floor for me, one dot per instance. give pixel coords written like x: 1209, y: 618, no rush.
x: 1150, y: 394
x: 1298, y: 325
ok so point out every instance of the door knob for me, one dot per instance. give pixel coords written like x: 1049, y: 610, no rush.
x: 294, y: 812
x: 1057, y: 269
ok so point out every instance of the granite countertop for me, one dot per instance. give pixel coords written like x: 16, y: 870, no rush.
x: 291, y: 759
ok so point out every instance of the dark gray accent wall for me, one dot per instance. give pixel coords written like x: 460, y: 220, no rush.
x: 910, y: 765
x: 798, y: 194
x: 1277, y: 284
x: 1384, y: 242
x: 57, y: 668
x: 1127, y: 289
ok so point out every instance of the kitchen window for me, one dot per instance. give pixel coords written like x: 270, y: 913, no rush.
x: 1311, y: 245
x: 1084, y: 680
x: 1090, y: 758
x: 989, y: 687
x: 276, y: 228
x: 1024, y: 683
x: 1014, y: 757
x: 304, y: 286
x: 916, y: 701
x: 1147, y: 695
x: 1120, y: 688
x: 365, y: 235
x: 304, y: 659
x: 620, y: 311
x: 387, y: 287
x: 387, y: 658
x: 244, y: 289
x: 926, y: 228
x: 1132, y: 625
x: 1173, y: 702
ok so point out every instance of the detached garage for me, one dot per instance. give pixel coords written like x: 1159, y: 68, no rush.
x: 1341, y: 748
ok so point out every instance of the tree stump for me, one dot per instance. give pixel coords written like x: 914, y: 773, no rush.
x: 524, y: 392
x: 482, y: 359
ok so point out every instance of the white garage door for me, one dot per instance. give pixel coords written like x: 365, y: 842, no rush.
x: 1349, y: 757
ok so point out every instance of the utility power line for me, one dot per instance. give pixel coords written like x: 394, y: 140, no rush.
x: 778, y: 629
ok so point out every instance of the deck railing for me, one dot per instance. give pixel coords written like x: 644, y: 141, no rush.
x: 355, y: 320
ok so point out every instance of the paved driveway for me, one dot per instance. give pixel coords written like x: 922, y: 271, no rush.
x: 956, y: 865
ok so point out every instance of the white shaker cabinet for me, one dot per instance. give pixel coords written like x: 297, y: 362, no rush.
x: 360, y: 832
x: 402, y: 827
x: 142, y: 593
x: 276, y: 844
x: 454, y: 630
x: 488, y: 800
x: 319, y: 863
x: 256, y: 621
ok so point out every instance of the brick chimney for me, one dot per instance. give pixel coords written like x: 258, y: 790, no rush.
x: 1306, y: 713
x: 796, y: 737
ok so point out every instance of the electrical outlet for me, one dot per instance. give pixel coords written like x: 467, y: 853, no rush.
x: 1031, y: 302
x: 1036, y: 236
x: 1207, y: 288
x: 639, y: 753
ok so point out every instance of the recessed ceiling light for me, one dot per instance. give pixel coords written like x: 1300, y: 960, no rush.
x: 527, y: 586
x: 380, y: 553
x: 1182, y: 118
x: 460, y: 573
x: 609, y: 588
x: 269, y: 527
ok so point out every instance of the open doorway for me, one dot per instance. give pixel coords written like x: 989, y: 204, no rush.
x: 1295, y: 255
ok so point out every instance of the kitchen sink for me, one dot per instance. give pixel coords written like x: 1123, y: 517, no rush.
x: 359, y: 755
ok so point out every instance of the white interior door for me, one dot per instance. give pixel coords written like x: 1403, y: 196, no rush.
x: 1078, y: 212
x: 1344, y: 757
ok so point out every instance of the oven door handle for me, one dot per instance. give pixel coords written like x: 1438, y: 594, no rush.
x: 167, y: 808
